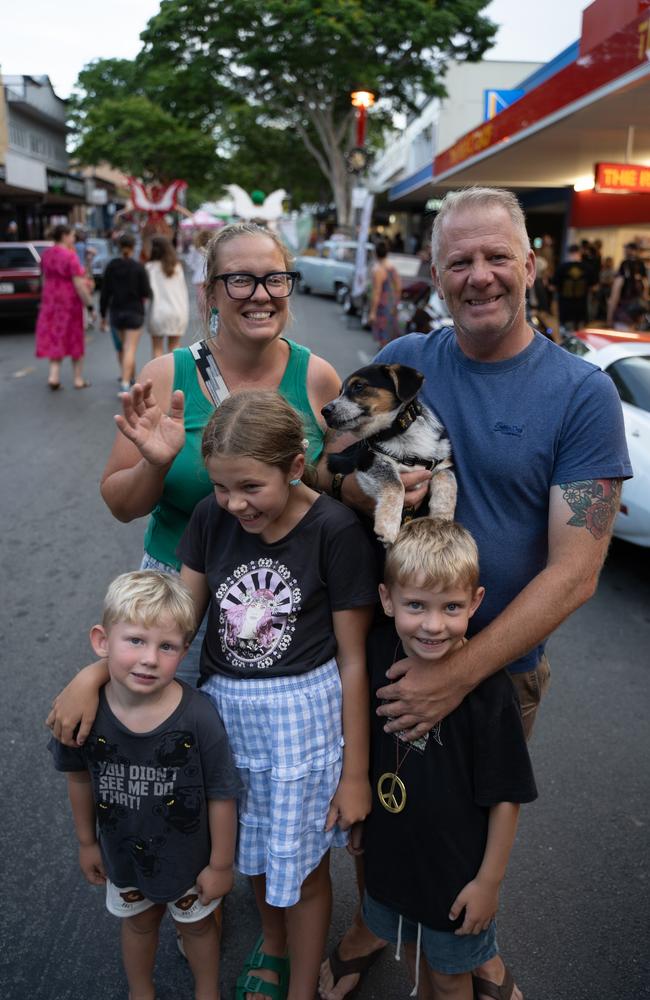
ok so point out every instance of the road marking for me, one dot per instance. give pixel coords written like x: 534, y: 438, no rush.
x: 364, y: 358
x: 22, y: 372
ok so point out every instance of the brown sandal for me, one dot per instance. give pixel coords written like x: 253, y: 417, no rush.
x: 352, y: 966
x: 502, y: 992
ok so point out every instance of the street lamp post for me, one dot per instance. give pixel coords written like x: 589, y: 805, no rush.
x: 362, y: 100
x: 357, y: 163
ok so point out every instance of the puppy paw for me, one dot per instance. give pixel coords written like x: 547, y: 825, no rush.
x: 442, y: 498
x: 387, y: 529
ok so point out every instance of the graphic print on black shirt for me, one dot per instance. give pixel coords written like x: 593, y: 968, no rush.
x: 151, y: 793
x: 258, y: 609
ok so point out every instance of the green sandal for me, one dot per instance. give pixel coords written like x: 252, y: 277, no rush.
x: 248, y: 982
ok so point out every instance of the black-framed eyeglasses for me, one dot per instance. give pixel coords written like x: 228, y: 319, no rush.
x: 242, y: 285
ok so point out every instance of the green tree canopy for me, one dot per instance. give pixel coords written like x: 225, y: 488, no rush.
x: 267, y: 83
x: 300, y: 59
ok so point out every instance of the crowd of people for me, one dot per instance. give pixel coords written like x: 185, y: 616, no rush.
x: 585, y: 287
x: 150, y: 291
x: 223, y: 445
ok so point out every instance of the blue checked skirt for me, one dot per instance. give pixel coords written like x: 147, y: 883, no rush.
x: 286, y: 738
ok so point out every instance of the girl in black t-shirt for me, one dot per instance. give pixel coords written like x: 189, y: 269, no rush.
x: 288, y: 576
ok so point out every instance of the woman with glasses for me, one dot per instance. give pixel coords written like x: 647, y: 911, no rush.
x: 155, y: 465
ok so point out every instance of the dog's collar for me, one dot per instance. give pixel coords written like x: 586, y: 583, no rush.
x: 425, y: 463
x: 401, y: 423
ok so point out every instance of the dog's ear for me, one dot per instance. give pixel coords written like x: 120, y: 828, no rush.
x: 407, y: 381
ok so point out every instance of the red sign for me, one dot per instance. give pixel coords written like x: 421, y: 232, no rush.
x: 623, y: 52
x: 628, y: 177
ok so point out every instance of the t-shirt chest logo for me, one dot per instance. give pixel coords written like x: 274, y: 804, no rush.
x: 258, y: 608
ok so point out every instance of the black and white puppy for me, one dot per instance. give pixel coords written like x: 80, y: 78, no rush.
x: 378, y: 404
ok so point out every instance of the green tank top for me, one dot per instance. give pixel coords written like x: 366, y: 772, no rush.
x: 187, y: 481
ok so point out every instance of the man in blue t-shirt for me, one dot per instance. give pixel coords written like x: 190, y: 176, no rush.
x: 539, y: 450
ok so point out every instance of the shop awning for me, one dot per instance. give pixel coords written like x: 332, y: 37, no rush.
x: 594, y: 109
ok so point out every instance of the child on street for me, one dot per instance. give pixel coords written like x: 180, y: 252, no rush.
x: 445, y: 806
x: 290, y: 581
x: 153, y: 789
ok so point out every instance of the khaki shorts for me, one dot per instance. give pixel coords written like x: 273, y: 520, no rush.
x: 187, y: 909
x: 531, y: 687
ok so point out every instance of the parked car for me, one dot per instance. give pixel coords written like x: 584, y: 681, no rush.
x: 40, y: 246
x: 103, y: 253
x: 626, y: 359
x: 20, y: 281
x: 331, y: 268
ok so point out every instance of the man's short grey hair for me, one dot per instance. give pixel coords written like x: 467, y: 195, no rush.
x: 472, y: 199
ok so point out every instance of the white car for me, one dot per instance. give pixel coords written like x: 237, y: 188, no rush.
x: 331, y: 268
x: 627, y: 362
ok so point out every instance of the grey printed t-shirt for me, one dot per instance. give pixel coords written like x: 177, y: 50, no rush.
x: 151, y: 792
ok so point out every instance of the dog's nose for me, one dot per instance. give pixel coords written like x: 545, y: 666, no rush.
x: 327, y: 409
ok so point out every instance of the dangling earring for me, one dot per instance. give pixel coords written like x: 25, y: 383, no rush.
x: 213, y: 322
x: 295, y: 482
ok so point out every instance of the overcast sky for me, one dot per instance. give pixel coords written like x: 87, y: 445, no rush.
x: 59, y: 38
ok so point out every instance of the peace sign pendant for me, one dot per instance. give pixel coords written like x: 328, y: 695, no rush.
x: 392, y: 792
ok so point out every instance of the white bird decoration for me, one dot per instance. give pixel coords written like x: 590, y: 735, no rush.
x: 245, y: 208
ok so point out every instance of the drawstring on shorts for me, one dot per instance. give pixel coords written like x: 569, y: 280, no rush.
x: 418, y: 948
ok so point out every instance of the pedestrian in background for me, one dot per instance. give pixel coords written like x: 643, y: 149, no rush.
x: 385, y: 294
x: 197, y: 262
x: 80, y: 246
x: 572, y: 282
x: 125, y: 289
x: 629, y: 291
x: 605, y: 282
x: 60, y: 324
x: 170, y: 307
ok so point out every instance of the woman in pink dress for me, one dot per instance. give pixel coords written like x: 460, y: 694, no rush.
x: 60, y: 325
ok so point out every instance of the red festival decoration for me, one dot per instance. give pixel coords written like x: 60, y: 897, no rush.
x: 158, y: 199
x: 155, y: 200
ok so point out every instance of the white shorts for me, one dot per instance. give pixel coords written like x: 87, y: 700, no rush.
x: 187, y: 909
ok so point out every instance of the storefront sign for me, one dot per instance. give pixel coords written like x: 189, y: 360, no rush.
x: 65, y: 183
x: 624, y: 177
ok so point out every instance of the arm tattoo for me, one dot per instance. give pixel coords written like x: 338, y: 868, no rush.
x: 594, y: 503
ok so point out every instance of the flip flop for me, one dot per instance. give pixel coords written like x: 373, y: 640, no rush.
x: 84, y: 385
x: 352, y: 966
x: 248, y: 982
x: 54, y: 386
x: 489, y: 989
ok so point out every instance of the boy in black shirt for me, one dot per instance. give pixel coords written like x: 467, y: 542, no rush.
x: 445, y: 807
x: 154, y: 788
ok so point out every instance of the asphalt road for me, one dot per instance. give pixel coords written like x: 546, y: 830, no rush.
x: 574, y: 916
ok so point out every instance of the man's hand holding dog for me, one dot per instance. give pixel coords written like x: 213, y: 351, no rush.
x: 416, y: 485
x: 418, y: 697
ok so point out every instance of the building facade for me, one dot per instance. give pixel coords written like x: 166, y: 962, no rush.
x: 37, y: 187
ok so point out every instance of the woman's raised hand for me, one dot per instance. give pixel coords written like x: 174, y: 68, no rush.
x: 158, y: 436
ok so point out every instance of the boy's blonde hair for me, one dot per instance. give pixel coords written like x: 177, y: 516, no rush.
x: 145, y: 596
x: 430, y: 553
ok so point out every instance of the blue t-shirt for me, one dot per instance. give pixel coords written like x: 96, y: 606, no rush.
x: 517, y: 427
